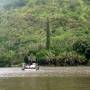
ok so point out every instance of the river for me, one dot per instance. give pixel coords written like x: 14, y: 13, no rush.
x: 47, y: 78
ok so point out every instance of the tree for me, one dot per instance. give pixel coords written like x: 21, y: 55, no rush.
x: 47, y: 34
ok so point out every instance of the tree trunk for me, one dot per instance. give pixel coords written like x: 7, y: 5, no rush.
x: 47, y: 34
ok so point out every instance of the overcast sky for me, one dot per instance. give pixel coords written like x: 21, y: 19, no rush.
x: 18, y: 3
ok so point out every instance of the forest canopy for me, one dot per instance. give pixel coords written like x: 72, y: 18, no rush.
x: 23, y: 26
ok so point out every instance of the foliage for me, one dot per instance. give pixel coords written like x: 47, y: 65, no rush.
x: 23, y: 29
x: 80, y: 46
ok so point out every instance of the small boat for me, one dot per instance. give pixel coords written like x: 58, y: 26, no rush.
x: 30, y: 66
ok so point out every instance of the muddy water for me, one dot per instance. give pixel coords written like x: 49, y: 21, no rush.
x: 46, y: 83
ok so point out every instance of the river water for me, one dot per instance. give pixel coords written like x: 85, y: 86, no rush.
x: 46, y: 83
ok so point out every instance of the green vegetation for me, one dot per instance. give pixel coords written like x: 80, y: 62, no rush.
x: 56, y: 32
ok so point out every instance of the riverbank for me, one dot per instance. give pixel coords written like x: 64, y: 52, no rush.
x: 45, y: 71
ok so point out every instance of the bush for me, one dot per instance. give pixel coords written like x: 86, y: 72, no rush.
x: 80, y: 46
x: 33, y: 51
x: 44, y: 57
x: 87, y: 53
x: 4, y: 63
x: 70, y: 59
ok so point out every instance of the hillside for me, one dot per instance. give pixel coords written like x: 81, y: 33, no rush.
x: 23, y: 26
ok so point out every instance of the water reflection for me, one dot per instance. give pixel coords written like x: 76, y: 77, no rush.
x: 46, y: 83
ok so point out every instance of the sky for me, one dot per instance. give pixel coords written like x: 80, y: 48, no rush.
x: 11, y: 2
x: 3, y: 2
